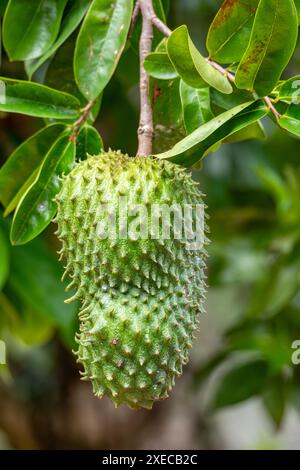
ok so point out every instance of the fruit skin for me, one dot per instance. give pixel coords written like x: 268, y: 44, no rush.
x: 140, y: 298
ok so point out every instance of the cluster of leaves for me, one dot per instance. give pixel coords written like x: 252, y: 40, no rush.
x: 254, y: 41
x: 73, y: 48
x: 255, y: 255
x: 70, y: 50
x: 28, y: 313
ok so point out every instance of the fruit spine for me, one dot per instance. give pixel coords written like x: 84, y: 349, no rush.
x: 141, y: 298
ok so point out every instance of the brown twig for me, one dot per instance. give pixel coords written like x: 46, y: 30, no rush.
x: 160, y: 25
x: 145, y: 130
x: 221, y: 69
x: 85, y: 112
x: 272, y: 108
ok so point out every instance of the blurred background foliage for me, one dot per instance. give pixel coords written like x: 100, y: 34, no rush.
x: 241, y: 369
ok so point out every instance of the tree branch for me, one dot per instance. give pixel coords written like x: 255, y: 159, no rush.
x: 272, y: 108
x: 85, y: 112
x: 145, y: 131
x: 160, y: 25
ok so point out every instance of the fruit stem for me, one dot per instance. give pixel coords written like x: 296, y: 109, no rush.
x: 146, y: 128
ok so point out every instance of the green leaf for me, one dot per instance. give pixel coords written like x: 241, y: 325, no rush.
x: 167, y: 113
x: 25, y: 161
x: 230, y: 30
x: 240, y: 383
x: 3, y: 5
x: 236, y: 98
x: 297, y: 3
x: 253, y: 131
x: 289, y: 91
x: 100, y: 44
x: 195, y: 106
x: 28, y: 31
x: 291, y: 119
x: 25, y: 324
x: 275, y: 397
x: 88, y: 142
x: 194, y: 147
x: 192, y: 67
x: 72, y: 19
x: 158, y: 65
x: 37, y: 207
x: 35, y: 277
x: 4, y: 258
x: 272, y: 43
x: 60, y: 75
x: 18, y: 196
x: 277, y: 288
x: 37, y: 100
x: 160, y: 10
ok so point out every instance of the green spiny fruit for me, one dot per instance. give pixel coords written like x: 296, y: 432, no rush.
x: 140, y: 297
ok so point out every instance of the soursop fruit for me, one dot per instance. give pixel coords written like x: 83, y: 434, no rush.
x: 141, y: 296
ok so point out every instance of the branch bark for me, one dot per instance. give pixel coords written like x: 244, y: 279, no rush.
x: 145, y: 130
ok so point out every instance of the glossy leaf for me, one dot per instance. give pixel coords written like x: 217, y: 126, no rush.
x: 60, y: 73
x: 37, y: 100
x: 24, y: 323
x: 72, y: 19
x: 100, y: 44
x: 88, y: 142
x: 167, y: 113
x: 289, y: 91
x: 158, y: 65
x: 195, y: 106
x: 159, y: 9
x: 4, y: 258
x: 230, y: 30
x: 272, y: 43
x: 195, y: 146
x: 240, y: 383
x: 28, y: 31
x: 253, y: 131
x: 192, y: 67
x: 3, y: 5
x: 236, y: 98
x: 37, y: 207
x: 18, y: 196
x: 25, y: 161
x: 291, y: 120
x: 279, y: 285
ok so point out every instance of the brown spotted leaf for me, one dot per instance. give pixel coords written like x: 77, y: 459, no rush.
x: 100, y: 44
x: 230, y: 30
x: 272, y: 43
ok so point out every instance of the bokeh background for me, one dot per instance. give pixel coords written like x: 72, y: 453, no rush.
x: 240, y: 389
